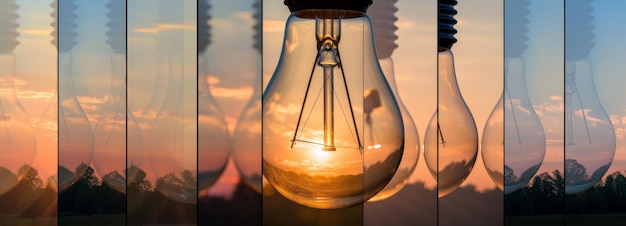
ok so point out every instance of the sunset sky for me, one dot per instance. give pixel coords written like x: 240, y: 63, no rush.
x: 478, y: 58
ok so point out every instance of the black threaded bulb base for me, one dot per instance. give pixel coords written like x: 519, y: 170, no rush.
x: 446, y: 23
x: 354, y: 5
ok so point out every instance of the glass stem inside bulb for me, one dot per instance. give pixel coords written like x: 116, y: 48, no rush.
x: 328, y: 60
x: 511, y: 103
x: 571, y: 91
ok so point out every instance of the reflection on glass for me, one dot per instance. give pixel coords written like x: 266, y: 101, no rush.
x: 523, y: 140
x: 332, y: 130
x: 247, y: 134
x: 75, y: 134
x: 451, y: 140
x: 589, y: 133
x: 110, y: 131
x: 17, y: 136
x: 173, y: 135
x: 214, y: 142
x: 383, y: 18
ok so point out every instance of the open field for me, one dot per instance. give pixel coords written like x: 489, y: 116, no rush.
x: 560, y: 220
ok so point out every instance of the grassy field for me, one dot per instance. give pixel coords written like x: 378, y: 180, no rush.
x: 574, y: 220
x: 95, y: 220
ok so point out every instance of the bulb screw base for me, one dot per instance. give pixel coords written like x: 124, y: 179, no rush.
x: 446, y: 23
x: 516, y: 27
x: 355, y: 5
x: 383, y: 18
x: 578, y: 29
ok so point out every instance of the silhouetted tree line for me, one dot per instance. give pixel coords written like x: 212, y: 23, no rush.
x: 30, y: 197
x: 546, y: 196
x: 89, y: 196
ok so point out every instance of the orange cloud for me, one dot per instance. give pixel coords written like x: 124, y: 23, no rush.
x: 273, y: 26
x: 45, y: 31
x: 164, y: 27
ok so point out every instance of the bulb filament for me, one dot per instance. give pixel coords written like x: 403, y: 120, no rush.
x: 570, y: 90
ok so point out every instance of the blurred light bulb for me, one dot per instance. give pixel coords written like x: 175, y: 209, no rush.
x: 145, y: 116
x: 17, y: 135
x: 522, y: 141
x: 332, y: 129
x: 172, y: 144
x: 47, y: 124
x: 589, y: 133
x: 451, y: 140
x: 383, y: 18
x: 513, y: 136
x: 112, y: 148
x: 214, y: 144
x: 75, y: 134
x: 247, y: 136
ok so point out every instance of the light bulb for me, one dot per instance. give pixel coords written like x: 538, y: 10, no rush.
x: 521, y: 145
x: 112, y: 148
x: 451, y: 140
x: 589, y: 133
x: 247, y: 135
x: 383, y: 18
x: 17, y: 135
x: 75, y: 134
x: 513, y: 136
x: 332, y: 130
x: 145, y: 115
x: 172, y: 142
x: 47, y: 125
x: 214, y: 142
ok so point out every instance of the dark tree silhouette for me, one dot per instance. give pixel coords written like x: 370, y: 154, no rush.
x: 29, y: 197
x: 576, y: 172
x: 602, y: 204
x: 509, y: 175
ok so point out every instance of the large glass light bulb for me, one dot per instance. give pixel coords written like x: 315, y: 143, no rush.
x: 17, y: 135
x: 514, y: 143
x: 332, y: 129
x: 75, y: 133
x: 522, y: 140
x: 172, y: 144
x: 589, y: 133
x: 247, y: 134
x: 383, y: 18
x: 451, y: 140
